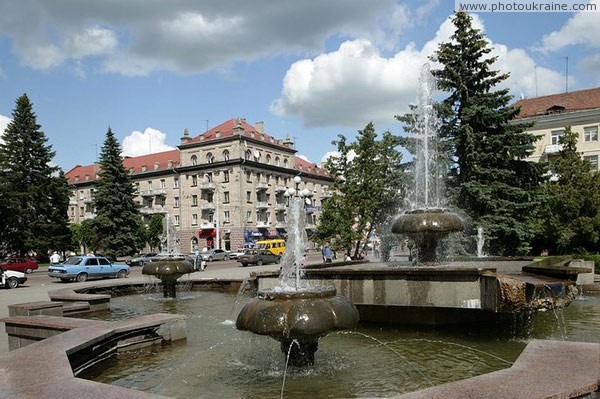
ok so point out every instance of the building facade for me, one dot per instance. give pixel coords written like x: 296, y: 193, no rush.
x: 552, y: 114
x: 224, y: 188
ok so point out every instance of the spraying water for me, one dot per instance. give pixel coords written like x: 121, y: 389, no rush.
x: 291, y: 275
x: 480, y: 242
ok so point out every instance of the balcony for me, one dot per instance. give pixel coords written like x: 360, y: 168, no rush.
x: 147, y: 193
x: 280, y: 224
x: 261, y: 185
x: 207, y: 226
x: 553, y: 148
x: 207, y: 186
x: 262, y: 225
x: 262, y: 205
x: 280, y: 189
x: 326, y: 194
x: 88, y: 215
x: 160, y: 191
x: 279, y: 207
x: 87, y: 200
x: 156, y: 210
x: 210, y: 206
x: 73, y: 201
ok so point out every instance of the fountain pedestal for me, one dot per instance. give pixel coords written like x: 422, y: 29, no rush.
x: 168, y: 271
x: 298, y: 319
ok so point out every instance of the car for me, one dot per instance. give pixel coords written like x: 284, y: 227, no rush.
x: 258, y: 257
x: 19, y: 264
x: 215, y: 254
x: 141, y: 258
x: 11, y: 278
x: 80, y: 268
x: 239, y: 252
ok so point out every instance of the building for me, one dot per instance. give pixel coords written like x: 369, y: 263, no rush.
x: 552, y: 114
x: 223, y: 188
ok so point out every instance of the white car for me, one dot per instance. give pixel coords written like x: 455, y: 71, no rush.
x: 11, y: 278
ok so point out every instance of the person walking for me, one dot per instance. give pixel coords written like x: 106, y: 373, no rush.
x: 55, y: 258
x: 327, y: 253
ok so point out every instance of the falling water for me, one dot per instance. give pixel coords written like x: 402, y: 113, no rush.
x: 168, y: 238
x: 290, y: 278
x: 480, y: 242
x: 428, y: 187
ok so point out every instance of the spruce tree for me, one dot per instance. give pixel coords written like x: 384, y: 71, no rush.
x: 117, y: 225
x: 491, y: 179
x: 34, y: 194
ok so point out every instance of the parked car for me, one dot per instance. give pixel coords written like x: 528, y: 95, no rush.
x: 236, y: 254
x: 11, y: 278
x: 215, y: 254
x: 19, y: 264
x: 258, y: 257
x: 140, y: 259
x: 80, y: 268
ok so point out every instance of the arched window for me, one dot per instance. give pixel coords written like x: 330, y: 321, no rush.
x: 268, y: 159
x: 248, y: 155
x: 210, y: 158
x: 285, y: 163
x: 226, y: 155
x: 277, y: 161
x: 194, y: 160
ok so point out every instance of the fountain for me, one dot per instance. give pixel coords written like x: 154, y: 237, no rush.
x: 480, y: 242
x: 294, y: 313
x: 427, y: 222
x: 169, y: 265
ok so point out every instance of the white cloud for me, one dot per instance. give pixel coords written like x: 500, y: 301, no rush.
x: 336, y: 154
x: 303, y: 157
x: 4, y: 121
x: 355, y: 84
x: 149, y: 142
x: 582, y: 28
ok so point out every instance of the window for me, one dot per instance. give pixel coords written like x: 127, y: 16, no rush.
x: 210, y: 158
x: 194, y: 160
x: 208, y: 177
x: 590, y: 133
x: 268, y: 159
x: 226, y: 176
x: 276, y: 161
x: 149, y: 184
x: 194, y: 180
x: 176, y: 221
x: 226, y: 217
x: 160, y: 201
x: 249, y: 216
x: 194, y: 200
x: 249, y: 177
x: 194, y: 219
x: 163, y: 183
x: 248, y: 155
x: 248, y: 196
x: 285, y: 163
x: 226, y: 197
x: 556, y: 135
x: 176, y: 203
x: 226, y: 155
x: 593, y: 160
x: 176, y: 182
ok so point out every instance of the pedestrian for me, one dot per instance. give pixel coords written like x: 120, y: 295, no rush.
x: 327, y: 253
x: 55, y: 258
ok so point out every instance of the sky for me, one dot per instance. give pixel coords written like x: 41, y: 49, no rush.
x: 311, y: 69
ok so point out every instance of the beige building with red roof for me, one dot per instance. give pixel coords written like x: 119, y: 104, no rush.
x: 228, y: 182
x: 552, y: 114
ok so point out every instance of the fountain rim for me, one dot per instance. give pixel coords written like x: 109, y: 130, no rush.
x: 307, y: 293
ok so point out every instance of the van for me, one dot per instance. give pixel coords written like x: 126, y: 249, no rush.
x: 276, y: 247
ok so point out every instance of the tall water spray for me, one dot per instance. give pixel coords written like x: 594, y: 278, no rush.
x: 168, y: 238
x: 290, y: 278
x: 428, y: 184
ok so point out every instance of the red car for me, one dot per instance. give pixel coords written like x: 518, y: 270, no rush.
x: 24, y: 265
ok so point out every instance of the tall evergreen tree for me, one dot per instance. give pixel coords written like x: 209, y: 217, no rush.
x: 569, y: 221
x: 491, y: 180
x: 367, y: 188
x: 117, y: 224
x: 34, y: 195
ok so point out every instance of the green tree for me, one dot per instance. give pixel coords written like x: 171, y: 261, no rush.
x: 117, y: 225
x: 569, y: 222
x: 366, y: 191
x: 154, y: 231
x: 490, y: 179
x: 83, y: 236
x: 34, y: 194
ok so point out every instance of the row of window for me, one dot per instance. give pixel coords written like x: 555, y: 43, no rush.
x: 590, y: 134
x: 248, y: 156
x: 261, y: 217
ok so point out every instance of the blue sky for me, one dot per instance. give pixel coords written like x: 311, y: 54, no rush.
x: 308, y: 68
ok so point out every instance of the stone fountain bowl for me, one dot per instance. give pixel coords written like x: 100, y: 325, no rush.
x: 168, y: 267
x: 301, y: 315
x: 427, y: 220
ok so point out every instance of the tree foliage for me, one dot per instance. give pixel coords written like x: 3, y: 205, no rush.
x: 367, y: 189
x: 154, y: 229
x: 569, y: 221
x: 490, y: 179
x: 117, y: 226
x: 34, y: 194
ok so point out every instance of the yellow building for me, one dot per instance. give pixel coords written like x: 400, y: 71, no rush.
x: 222, y: 188
x: 552, y: 114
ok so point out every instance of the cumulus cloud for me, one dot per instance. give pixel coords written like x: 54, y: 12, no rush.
x: 581, y: 28
x: 188, y: 36
x: 148, y: 142
x: 355, y: 84
x: 336, y: 154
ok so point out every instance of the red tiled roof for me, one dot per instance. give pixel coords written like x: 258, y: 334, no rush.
x: 225, y: 129
x: 566, y: 102
x: 160, y: 159
x: 309, y: 167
